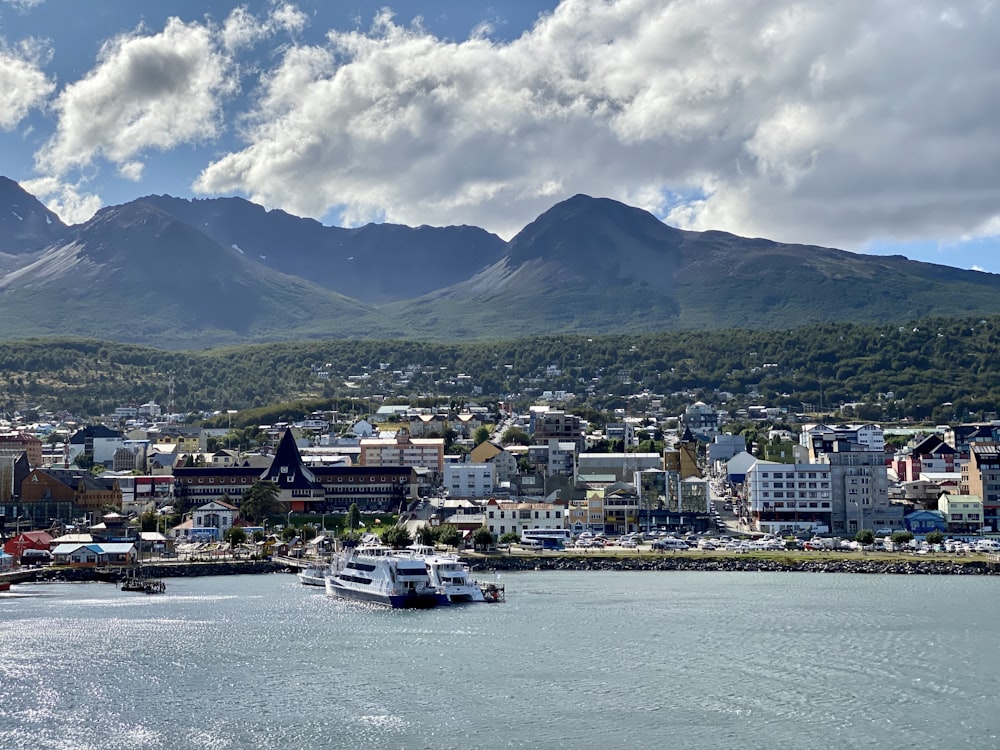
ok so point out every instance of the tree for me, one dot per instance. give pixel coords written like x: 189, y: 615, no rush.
x: 510, y: 537
x: 481, y: 435
x: 449, y: 535
x: 397, y: 537
x: 260, y: 501
x: 426, y: 535
x: 515, y: 436
x: 353, y: 517
x: 483, y: 538
x: 235, y: 535
x: 934, y: 537
x: 865, y: 536
x: 901, y: 538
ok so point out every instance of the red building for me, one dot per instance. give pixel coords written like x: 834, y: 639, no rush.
x: 15, y: 546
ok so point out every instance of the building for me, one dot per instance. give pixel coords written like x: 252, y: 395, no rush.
x: 724, y: 447
x: 701, y: 419
x: 820, y: 438
x: 981, y: 477
x: 504, y: 462
x: 217, y: 516
x: 403, y: 450
x: 469, y: 479
x: 789, y: 497
x: 554, y: 458
x: 963, y: 514
x: 36, y: 540
x: 622, y: 466
x: 546, y: 426
x: 502, y: 517
x: 96, y: 441
x: 21, y: 441
x: 931, y: 454
x: 321, y: 489
x: 860, y: 485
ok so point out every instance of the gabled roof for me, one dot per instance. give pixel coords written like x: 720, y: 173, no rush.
x: 932, y: 445
x: 286, y: 469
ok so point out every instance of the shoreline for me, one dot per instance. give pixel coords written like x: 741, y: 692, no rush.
x: 480, y: 563
x: 731, y: 564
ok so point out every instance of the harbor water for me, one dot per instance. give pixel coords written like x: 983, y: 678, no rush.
x: 571, y: 660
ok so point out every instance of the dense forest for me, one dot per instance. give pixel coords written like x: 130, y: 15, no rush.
x: 934, y: 369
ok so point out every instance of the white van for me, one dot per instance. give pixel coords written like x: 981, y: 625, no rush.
x: 670, y: 543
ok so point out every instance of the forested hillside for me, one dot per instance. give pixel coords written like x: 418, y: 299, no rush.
x: 937, y: 369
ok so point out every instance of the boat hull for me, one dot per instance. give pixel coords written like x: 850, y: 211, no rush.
x: 393, y: 601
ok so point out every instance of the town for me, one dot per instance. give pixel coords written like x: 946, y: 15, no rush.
x: 144, y: 484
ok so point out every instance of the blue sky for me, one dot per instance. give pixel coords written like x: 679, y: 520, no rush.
x: 865, y: 124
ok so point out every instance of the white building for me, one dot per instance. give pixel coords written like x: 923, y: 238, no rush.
x: 784, y: 497
x: 502, y: 517
x: 470, y: 480
x: 819, y: 437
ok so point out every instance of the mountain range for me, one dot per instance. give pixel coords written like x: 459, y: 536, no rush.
x: 183, y: 274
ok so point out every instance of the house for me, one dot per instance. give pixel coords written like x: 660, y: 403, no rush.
x: 94, y: 555
x: 963, y: 514
x: 504, y: 461
x: 925, y: 521
x: 217, y: 515
x: 38, y: 540
x: 502, y: 516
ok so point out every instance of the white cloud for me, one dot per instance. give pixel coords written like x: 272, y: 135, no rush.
x: 829, y: 123
x: 23, y: 5
x: 243, y: 29
x: 23, y: 84
x: 64, y: 199
x: 148, y: 91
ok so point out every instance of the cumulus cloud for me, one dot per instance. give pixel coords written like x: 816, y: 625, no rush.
x: 830, y: 123
x: 23, y: 84
x: 65, y: 199
x: 148, y: 91
x: 243, y: 29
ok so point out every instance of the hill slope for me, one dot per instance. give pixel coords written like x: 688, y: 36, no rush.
x: 134, y: 273
x: 375, y: 263
x: 598, y: 266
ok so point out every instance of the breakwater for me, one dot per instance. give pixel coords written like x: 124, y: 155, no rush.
x: 732, y: 563
x: 165, y: 570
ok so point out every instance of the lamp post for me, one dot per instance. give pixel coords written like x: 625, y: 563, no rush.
x: 229, y: 430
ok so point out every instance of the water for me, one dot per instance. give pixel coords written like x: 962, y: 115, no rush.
x: 572, y: 660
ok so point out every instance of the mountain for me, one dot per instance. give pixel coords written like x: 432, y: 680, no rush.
x: 134, y: 273
x: 182, y: 274
x: 375, y: 263
x: 598, y: 266
x: 25, y: 225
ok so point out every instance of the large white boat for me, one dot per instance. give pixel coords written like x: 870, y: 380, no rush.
x: 377, y: 575
x: 314, y: 574
x: 448, y: 575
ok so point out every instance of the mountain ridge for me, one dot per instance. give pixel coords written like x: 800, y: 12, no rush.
x: 189, y: 273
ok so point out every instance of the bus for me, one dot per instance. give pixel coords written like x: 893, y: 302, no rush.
x: 547, y: 538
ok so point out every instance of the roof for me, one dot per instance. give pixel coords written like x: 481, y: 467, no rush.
x: 93, y: 431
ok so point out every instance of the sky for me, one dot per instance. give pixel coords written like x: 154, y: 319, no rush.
x: 867, y: 125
